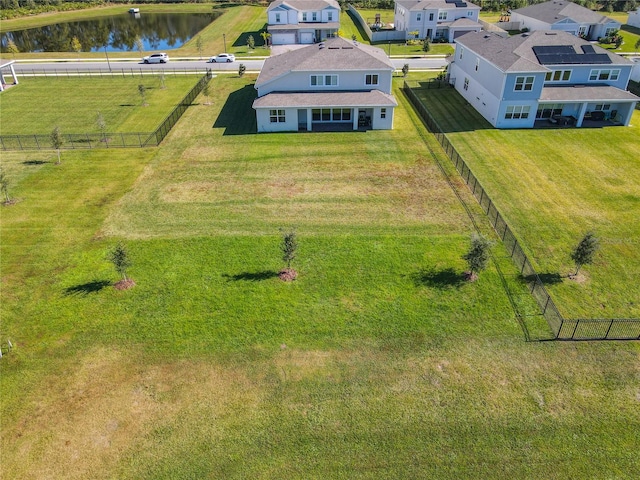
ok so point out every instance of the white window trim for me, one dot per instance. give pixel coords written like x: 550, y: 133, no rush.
x: 442, y: 15
x: 277, y: 115
x: 517, y: 112
x: 524, y: 84
x: 323, y: 76
x: 561, y: 80
x: 613, y: 72
x: 372, y: 83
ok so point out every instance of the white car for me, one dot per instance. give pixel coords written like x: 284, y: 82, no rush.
x: 223, y: 58
x: 156, y: 58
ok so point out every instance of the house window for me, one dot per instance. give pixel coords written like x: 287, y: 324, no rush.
x: 383, y: 113
x: 461, y: 52
x: 419, y: 17
x: 371, y: 79
x: 277, y: 18
x: 469, y: 13
x: 609, y: 31
x: 323, y: 80
x: 314, y: 17
x: 524, y: 83
x: 431, y: 17
x: 330, y: 16
x: 304, y: 16
x: 442, y: 15
x: 466, y: 84
x: 558, y: 76
x: 603, y: 106
x: 548, y: 110
x: 477, y: 64
x: 603, y: 75
x: 276, y: 116
x: 326, y: 115
x: 517, y: 111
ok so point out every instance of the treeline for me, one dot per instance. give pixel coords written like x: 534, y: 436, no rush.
x: 20, y: 8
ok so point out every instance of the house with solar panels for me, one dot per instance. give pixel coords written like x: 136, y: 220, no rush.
x: 436, y: 19
x: 302, y: 21
x: 542, y: 78
x: 337, y: 85
x: 565, y: 16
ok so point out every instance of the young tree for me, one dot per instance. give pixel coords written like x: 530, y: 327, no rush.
x: 618, y: 40
x: 57, y: 140
x: 405, y: 70
x: 265, y: 38
x: 12, y: 48
x: 241, y: 70
x: 426, y: 45
x: 288, y: 247
x: 637, y: 45
x: 139, y: 45
x: 4, y: 186
x: 251, y: 43
x: 119, y: 257
x: 478, y: 255
x: 102, y: 126
x: 199, y: 45
x: 585, y: 250
x: 206, y: 91
x: 76, y: 46
x: 143, y: 94
x: 162, y: 79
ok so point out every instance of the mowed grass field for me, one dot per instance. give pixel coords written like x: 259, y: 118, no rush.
x: 41, y: 104
x: 378, y: 362
x: 554, y: 185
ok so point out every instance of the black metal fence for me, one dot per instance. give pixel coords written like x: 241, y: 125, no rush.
x: 564, y: 329
x: 73, y: 141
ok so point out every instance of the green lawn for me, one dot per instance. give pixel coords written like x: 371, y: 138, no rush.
x: 554, y: 185
x: 39, y: 104
x: 378, y: 362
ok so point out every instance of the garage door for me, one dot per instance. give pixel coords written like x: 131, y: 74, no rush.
x: 306, y: 37
x: 283, y: 39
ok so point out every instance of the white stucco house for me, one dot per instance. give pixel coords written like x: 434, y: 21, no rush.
x: 337, y: 85
x: 302, y: 21
x: 542, y: 78
x: 435, y: 19
x: 565, y: 16
x: 634, y: 18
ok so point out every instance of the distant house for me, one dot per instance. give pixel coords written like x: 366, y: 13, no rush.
x: 567, y: 17
x: 546, y: 77
x: 435, y: 19
x: 302, y: 21
x: 634, y: 18
x: 334, y: 85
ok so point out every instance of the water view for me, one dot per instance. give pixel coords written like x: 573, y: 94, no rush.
x: 158, y: 31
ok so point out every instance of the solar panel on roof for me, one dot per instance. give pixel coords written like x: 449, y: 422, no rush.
x: 566, y: 55
x: 588, y: 49
x: 460, y: 4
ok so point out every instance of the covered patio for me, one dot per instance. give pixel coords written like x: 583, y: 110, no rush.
x: 585, y: 106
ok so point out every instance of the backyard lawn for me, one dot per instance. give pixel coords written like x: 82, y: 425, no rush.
x: 380, y: 361
x: 39, y: 104
x: 554, y: 185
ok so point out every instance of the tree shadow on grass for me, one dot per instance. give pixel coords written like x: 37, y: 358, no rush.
x: 243, y: 38
x: 87, y: 288
x: 445, y: 278
x: 545, y: 278
x: 251, y: 276
x: 34, y: 162
x: 237, y: 117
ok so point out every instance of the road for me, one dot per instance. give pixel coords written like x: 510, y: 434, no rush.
x: 74, y: 66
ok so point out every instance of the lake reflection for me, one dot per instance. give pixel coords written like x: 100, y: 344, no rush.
x: 158, y: 31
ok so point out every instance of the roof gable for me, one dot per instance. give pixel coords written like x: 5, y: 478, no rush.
x: 416, y: 5
x: 304, y: 5
x: 557, y: 10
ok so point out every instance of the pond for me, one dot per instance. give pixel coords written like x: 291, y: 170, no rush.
x: 158, y: 31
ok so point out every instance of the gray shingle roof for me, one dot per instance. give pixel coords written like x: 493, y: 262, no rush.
x: 515, y: 54
x: 415, y: 5
x: 305, y: 5
x: 581, y: 93
x: 556, y: 10
x: 336, y: 54
x: 374, y: 98
x: 303, y: 26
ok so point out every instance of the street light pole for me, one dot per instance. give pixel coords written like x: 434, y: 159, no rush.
x: 224, y: 39
x: 389, y: 48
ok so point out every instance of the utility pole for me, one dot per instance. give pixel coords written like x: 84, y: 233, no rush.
x: 224, y: 40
